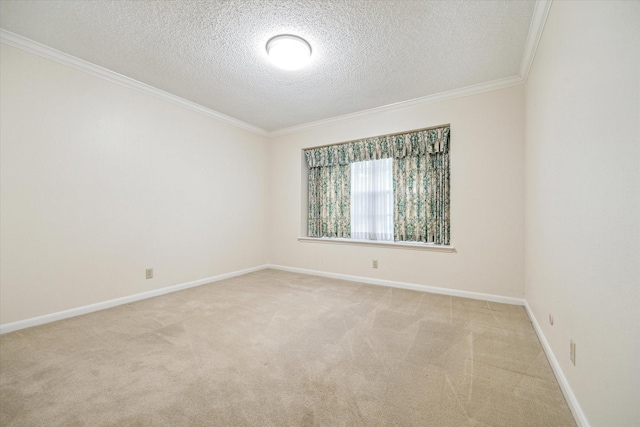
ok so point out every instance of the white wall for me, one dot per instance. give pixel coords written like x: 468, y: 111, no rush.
x: 487, y: 202
x: 100, y: 182
x: 582, y: 201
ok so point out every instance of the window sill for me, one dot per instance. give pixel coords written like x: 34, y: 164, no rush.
x: 397, y: 245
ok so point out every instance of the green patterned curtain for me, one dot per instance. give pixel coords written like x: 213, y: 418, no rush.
x: 410, y: 185
x: 421, y: 187
x: 329, y: 201
x: 421, y: 192
x: 438, y: 202
x: 421, y: 184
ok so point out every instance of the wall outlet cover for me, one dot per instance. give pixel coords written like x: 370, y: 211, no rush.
x: 572, y: 352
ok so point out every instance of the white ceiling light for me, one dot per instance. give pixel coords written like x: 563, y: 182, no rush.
x: 288, y: 52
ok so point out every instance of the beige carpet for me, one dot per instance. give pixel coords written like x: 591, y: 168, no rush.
x: 273, y: 348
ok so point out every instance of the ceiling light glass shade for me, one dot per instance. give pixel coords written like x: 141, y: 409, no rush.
x: 288, y: 52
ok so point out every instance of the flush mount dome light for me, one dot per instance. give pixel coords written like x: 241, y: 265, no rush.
x: 288, y: 52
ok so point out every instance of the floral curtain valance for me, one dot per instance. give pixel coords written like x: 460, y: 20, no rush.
x: 380, y: 147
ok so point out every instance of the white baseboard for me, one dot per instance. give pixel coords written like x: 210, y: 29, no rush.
x: 576, y: 409
x: 78, y: 311
x: 48, y: 318
x: 404, y: 285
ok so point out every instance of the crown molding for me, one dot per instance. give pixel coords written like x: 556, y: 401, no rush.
x: 538, y: 20
x: 47, y: 52
x: 425, y: 100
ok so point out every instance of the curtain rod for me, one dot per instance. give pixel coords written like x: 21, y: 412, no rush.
x: 378, y: 136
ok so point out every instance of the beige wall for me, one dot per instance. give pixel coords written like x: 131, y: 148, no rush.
x: 487, y: 202
x: 100, y: 182
x: 582, y: 201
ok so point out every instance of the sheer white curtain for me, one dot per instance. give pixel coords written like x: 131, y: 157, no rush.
x: 372, y: 200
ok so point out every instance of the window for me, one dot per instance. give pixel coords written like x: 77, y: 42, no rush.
x: 393, y: 187
x: 372, y: 200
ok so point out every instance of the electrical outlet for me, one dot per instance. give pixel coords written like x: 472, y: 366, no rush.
x: 551, y: 320
x: 149, y: 273
x: 375, y: 263
x: 572, y: 352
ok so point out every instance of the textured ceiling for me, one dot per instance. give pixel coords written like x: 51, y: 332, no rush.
x: 366, y: 54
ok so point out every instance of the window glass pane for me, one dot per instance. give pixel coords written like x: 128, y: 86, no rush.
x: 372, y: 200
